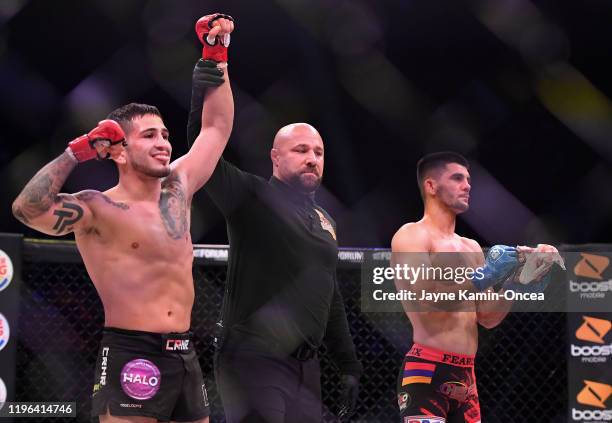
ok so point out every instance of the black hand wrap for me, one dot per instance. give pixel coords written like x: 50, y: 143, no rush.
x: 206, y: 74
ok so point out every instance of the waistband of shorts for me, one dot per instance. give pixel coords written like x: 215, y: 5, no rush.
x: 439, y: 356
x: 173, y: 342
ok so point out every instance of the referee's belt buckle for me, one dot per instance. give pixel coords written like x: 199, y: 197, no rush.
x: 304, y: 352
x: 176, y: 342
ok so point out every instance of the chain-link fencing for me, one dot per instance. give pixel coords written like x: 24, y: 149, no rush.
x: 521, y: 365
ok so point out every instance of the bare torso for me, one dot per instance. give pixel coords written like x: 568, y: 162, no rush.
x: 448, y: 331
x: 139, y: 256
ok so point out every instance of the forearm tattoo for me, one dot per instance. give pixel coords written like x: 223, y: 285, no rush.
x: 173, y: 206
x: 42, y: 191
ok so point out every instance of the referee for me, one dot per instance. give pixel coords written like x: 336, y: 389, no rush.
x: 281, y: 299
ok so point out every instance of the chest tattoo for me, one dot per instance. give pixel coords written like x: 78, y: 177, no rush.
x: 173, y: 207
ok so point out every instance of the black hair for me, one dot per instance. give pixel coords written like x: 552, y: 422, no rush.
x: 125, y: 114
x: 435, y: 161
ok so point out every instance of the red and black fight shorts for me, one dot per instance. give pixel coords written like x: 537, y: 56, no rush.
x: 149, y: 374
x: 437, y: 387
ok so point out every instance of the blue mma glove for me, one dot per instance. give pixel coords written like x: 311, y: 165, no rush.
x: 500, y: 262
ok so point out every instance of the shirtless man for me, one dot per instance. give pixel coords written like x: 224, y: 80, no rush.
x: 135, y: 242
x: 437, y: 381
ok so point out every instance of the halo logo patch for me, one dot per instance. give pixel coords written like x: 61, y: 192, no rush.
x: 140, y: 379
x: 6, y: 270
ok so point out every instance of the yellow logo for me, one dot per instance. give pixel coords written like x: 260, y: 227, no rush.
x: 326, y: 224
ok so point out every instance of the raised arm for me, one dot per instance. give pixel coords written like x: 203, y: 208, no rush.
x: 41, y: 206
x: 217, y: 115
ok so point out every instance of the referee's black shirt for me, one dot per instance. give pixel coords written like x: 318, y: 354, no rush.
x: 281, y: 278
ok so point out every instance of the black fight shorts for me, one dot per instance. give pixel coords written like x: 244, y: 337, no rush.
x: 149, y: 374
x: 437, y: 387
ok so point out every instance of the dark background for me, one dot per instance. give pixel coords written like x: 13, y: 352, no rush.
x: 521, y: 88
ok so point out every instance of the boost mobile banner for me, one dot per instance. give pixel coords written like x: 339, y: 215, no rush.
x: 590, y: 345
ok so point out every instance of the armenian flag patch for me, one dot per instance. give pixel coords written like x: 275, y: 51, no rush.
x: 418, y: 373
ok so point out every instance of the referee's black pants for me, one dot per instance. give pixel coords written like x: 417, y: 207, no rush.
x: 259, y: 386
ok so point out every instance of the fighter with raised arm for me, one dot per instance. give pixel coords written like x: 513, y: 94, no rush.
x: 437, y: 382
x: 135, y: 242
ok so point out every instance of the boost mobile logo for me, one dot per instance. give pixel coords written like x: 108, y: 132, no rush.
x: 593, y: 394
x: 591, y: 266
x: 593, y: 330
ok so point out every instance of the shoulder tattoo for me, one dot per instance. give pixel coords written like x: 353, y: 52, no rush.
x: 89, y: 195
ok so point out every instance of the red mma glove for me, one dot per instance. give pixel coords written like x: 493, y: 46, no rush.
x: 215, y: 45
x: 108, y: 132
